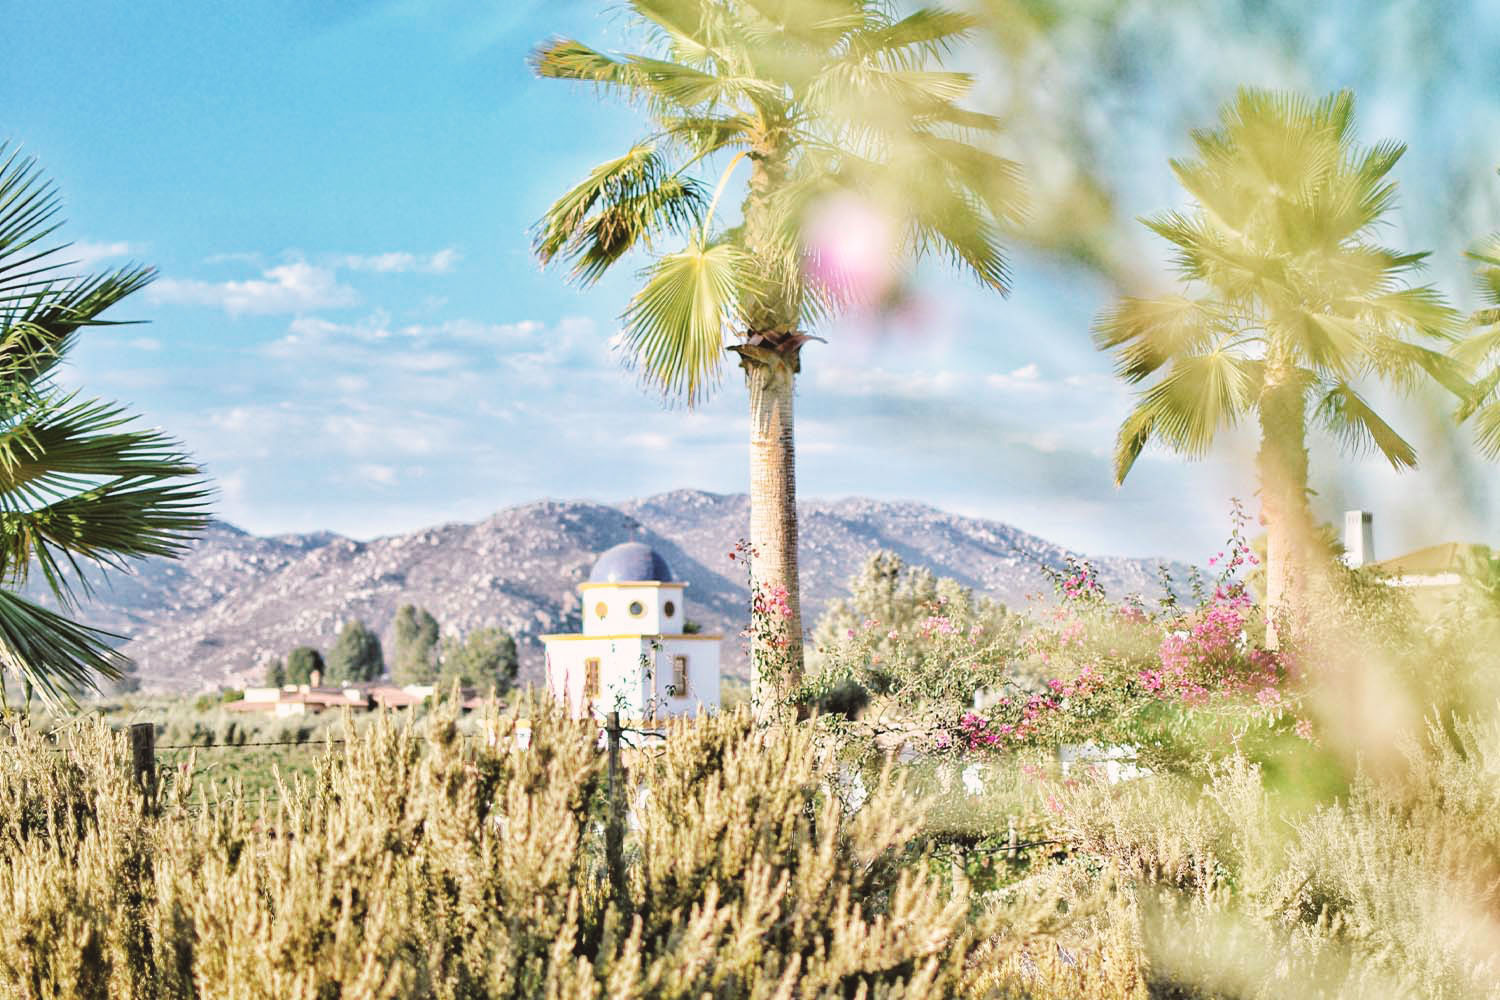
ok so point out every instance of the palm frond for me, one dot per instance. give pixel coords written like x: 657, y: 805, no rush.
x: 1359, y: 428
x: 623, y: 202
x: 1135, y: 434
x: 121, y: 519
x: 674, y: 329
x: 38, y: 330
x: 28, y: 209
x: 1406, y: 366
x: 58, y: 657
x: 78, y: 483
x: 1486, y: 423
x: 926, y: 33
x: 1200, y: 395
x: 685, y: 25
x: 567, y: 59
x: 1148, y: 333
x: 955, y: 224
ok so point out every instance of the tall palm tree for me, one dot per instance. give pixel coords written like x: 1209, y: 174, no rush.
x: 80, y: 483
x: 1291, y: 305
x: 829, y: 101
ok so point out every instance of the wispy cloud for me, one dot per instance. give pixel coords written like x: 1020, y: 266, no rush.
x: 377, y: 475
x: 1023, y: 378
x: 288, y: 288
x: 88, y: 253
x: 399, y: 262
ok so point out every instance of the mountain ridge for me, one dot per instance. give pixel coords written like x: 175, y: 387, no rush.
x: 235, y: 599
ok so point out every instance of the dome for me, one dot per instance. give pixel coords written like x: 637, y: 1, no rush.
x: 630, y: 562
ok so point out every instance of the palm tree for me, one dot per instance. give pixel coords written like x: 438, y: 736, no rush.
x: 1483, y: 346
x: 834, y: 103
x: 1291, y: 305
x: 80, y: 484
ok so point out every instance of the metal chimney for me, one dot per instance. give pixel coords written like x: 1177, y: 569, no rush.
x: 1359, y: 537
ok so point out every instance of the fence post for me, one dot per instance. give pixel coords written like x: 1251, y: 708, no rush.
x: 1011, y: 838
x: 614, y: 827
x: 143, y: 761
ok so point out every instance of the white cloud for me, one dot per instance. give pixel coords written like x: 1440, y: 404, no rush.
x: 406, y: 434
x: 842, y: 381
x: 351, y: 385
x: 251, y: 257
x: 648, y: 441
x: 144, y: 344
x: 400, y: 262
x: 87, y: 254
x: 379, y: 475
x: 497, y: 334
x: 1023, y: 378
x: 286, y: 288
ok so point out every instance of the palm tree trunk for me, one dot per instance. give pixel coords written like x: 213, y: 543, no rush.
x: 770, y: 355
x: 776, y: 636
x: 1290, y: 532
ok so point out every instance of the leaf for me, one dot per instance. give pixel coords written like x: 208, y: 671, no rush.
x: 674, y: 327
x: 1148, y: 333
x: 58, y: 657
x: 1359, y: 428
x: 623, y: 202
x: 1199, y: 395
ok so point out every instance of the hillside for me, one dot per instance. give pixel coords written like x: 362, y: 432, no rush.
x: 235, y: 599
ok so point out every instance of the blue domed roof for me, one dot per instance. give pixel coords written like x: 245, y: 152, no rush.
x: 630, y: 562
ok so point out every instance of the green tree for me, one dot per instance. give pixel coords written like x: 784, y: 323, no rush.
x: 1292, y: 305
x: 847, y: 124
x: 896, y: 597
x: 356, y: 655
x: 416, y: 648
x: 485, y: 658
x: 80, y: 481
x: 275, y: 669
x: 301, y: 663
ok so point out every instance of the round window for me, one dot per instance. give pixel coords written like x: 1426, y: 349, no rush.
x: 637, y: 609
x: 601, y: 609
x: 670, y: 609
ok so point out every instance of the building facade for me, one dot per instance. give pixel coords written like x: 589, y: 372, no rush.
x: 634, y: 655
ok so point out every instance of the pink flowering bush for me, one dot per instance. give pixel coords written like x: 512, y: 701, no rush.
x: 766, y: 637
x: 1092, y: 671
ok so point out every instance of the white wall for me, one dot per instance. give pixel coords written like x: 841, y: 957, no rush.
x: 703, y: 675
x: 616, y: 599
x: 622, y: 686
x: 619, y: 674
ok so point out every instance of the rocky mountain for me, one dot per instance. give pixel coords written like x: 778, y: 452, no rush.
x: 236, y: 599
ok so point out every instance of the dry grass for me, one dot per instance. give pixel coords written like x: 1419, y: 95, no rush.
x: 417, y: 862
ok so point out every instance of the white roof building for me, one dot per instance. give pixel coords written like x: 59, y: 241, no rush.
x: 633, y: 656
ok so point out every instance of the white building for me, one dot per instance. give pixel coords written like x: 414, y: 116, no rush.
x: 633, y: 656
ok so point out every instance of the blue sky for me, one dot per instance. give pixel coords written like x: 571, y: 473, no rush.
x: 350, y: 333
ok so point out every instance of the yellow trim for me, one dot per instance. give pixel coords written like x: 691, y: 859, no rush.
x: 573, y: 636
x: 630, y: 583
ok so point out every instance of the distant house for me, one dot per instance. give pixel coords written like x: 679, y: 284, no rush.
x: 307, y: 699
x: 1434, y: 574
x: 635, y: 655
